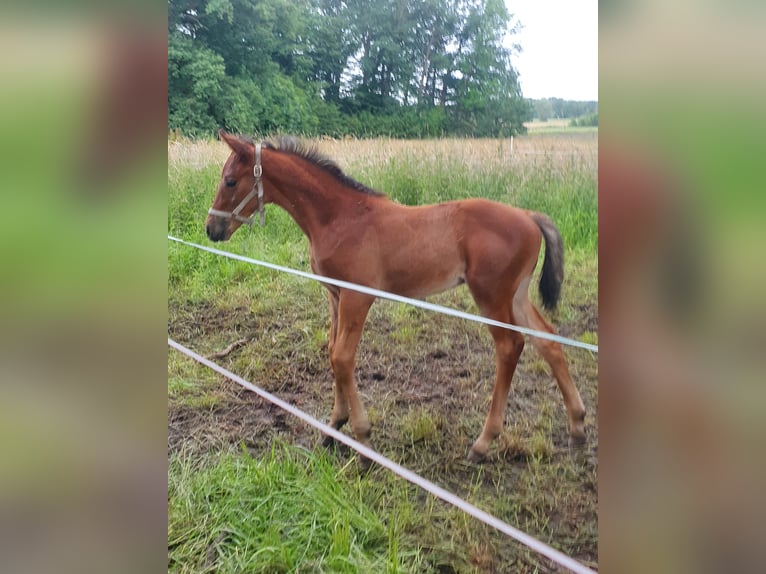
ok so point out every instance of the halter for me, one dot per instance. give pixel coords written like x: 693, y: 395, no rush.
x: 257, y: 189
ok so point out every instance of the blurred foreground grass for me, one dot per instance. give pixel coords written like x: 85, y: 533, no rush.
x: 681, y: 211
x: 82, y: 300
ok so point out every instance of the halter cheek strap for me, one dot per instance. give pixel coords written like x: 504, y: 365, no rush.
x: 257, y: 190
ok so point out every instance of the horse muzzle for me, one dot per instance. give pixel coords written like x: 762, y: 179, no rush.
x: 217, y: 228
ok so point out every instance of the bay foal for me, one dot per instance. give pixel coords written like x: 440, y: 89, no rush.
x: 357, y: 234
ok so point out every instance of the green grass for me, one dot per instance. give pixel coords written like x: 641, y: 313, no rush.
x: 425, y: 379
x: 295, y: 511
x: 289, y: 511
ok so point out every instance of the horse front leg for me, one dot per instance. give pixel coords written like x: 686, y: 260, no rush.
x: 339, y: 415
x: 352, y: 310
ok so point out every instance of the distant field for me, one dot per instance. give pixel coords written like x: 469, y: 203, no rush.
x: 248, y: 490
x: 370, y: 154
x: 556, y: 126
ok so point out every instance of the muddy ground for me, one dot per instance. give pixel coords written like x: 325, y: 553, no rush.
x: 426, y: 380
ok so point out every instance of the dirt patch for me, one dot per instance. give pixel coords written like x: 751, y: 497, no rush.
x: 236, y: 418
x: 585, y: 320
x: 449, y: 381
x: 189, y: 323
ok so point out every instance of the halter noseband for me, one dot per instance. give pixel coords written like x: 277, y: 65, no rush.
x: 257, y: 189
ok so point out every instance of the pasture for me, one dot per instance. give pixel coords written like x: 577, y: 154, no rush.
x: 248, y: 487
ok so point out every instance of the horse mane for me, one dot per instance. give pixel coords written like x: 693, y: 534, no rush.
x: 310, y: 153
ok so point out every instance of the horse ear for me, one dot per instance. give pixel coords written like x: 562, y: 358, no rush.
x: 241, y: 147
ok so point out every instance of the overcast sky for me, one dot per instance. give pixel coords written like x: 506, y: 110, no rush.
x: 560, y: 48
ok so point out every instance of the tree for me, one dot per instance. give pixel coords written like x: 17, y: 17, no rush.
x: 195, y: 78
x: 329, y: 46
x: 395, y: 67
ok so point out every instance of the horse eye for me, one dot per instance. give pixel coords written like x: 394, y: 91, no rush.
x: 231, y: 183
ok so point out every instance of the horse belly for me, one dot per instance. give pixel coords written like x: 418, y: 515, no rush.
x: 424, y: 276
x: 419, y: 251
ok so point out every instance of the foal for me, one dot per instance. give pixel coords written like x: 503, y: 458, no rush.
x: 358, y: 235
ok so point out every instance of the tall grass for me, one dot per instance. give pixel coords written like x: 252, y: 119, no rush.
x: 290, y: 511
x: 555, y: 175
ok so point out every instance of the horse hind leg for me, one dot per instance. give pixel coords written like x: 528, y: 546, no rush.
x: 508, y: 348
x: 528, y: 316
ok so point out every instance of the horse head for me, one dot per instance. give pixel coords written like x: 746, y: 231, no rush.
x: 240, y: 191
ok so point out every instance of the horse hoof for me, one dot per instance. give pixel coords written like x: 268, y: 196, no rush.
x: 327, y: 441
x: 577, y: 442
x: 476, y: 457
x: 363, y: 463
x: 577, y: 448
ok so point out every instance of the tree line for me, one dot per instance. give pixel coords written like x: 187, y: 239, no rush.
x: 399, y: 68
x: 556, y: 108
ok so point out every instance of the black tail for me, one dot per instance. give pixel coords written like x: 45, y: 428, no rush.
x: 553, y: 264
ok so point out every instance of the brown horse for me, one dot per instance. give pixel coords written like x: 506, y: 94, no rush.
x: 359, y: 235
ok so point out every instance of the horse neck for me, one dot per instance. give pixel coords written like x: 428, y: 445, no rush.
x: 312, y: 197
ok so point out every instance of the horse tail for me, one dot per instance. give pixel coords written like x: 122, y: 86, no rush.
x: 553, y: 264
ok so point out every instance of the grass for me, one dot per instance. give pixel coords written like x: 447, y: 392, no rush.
x: 291, y: 510
x: 247, y: 489
x: 286, y: 511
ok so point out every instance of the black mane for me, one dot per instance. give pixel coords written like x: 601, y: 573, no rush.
x: 310, y: 153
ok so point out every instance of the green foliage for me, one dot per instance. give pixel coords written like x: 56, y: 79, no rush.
x: 589, y: 120
x: 195, y: 77
x: 555, y: 108
x: 362, y: 67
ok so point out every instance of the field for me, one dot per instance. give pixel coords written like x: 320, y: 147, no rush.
x: 248, y: 487
x: 557, y: 126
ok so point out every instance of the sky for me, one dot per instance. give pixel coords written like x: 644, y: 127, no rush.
x: 560, y: 48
